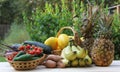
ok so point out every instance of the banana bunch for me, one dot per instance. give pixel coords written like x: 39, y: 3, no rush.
x: 75, y: 56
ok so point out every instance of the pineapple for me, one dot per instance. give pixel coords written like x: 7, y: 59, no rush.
x: 103, y: 49
x: 87, y: 28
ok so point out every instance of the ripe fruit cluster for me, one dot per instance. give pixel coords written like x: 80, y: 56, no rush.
x: 10, y: 56
x: 31, y: 49
x: 57, y: 43
x: 75, y: 56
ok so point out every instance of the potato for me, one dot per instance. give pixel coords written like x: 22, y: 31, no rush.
x: 50, y: 64
x: 54, y: 57
x: 60, y: 64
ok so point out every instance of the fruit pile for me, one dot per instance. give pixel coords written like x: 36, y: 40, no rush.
x: 74, y: 55
x: 59, y: 42
x: 26, y: 53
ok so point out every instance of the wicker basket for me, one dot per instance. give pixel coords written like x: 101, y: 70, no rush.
x: 26, y: 65
x: 76, y: 38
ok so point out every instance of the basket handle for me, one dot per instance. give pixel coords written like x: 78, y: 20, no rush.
x: 76, y: 36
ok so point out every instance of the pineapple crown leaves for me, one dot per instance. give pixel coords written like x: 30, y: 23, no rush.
x: 105, y: 23
x: 89, y: 20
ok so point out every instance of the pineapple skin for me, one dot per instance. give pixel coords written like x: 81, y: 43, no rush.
x: 87, y: 44
x: 102, y: 52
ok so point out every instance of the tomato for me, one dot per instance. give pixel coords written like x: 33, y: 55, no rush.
x: 31, y: 52
x: 35, y: 48
x: 38, y: 51
x: 14, y: 53
x: 28, y: 46
x: 34, y: 51
x: 21, y: 47
x: 10, y: 58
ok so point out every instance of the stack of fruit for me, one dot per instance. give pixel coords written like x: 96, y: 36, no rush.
x: 74, y: 55
x: 61, y: 40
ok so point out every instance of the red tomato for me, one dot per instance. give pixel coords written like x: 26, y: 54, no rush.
x: 31, y: 52
x: 15, y: 53
x: 33, y: 46
x: 34, y: 51
x: 21, y: 47
x: 38, y: 51
x: 36, y: 48
x: 10, y: 58
x: 28, y: 46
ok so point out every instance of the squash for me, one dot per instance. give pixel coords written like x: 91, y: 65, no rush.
x: 63, y: 41
x: 57, y: 43
x: 52, y: 42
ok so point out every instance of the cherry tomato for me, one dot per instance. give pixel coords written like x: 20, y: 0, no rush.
x: 36, y: 48
x: 15, y: 53
x: 33, y: 46
x: 34, y: 51
x: 31, y: 52
x: 21, y: 47
x: 10, y: 58
x: 28, y: 46
x: 38, y: 51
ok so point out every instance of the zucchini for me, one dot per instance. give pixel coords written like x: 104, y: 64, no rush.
x: 20, y: 53
x: 25, y: 57
x: 34, y: 58
x: 39, y: 55
x: 46, y: 49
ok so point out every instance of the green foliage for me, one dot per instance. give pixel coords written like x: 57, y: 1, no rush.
x: 12, y: 9
x: 2, y: 59
x: 116, y: 35
x: 47, y: 22
x: 17, y: 34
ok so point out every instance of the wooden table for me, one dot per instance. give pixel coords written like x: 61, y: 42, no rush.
x: 114, y: 67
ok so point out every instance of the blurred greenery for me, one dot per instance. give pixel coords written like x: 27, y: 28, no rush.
x: 2, y: 59
x: 12, y: 9
x: 16, y: 34
x: 116, y: 35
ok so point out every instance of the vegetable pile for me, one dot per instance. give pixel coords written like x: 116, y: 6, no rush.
x: 26, y: 53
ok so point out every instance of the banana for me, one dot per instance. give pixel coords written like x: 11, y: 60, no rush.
x: 88, y: 60
x: 69, y: 54
x: 81, y: 53
x: 81, y: 63
x: 74, y: 63
x: 62, y: 53
x: 74, y: 48
x: 66, y: 62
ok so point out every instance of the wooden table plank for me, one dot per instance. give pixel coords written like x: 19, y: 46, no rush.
x: 114, y: 67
